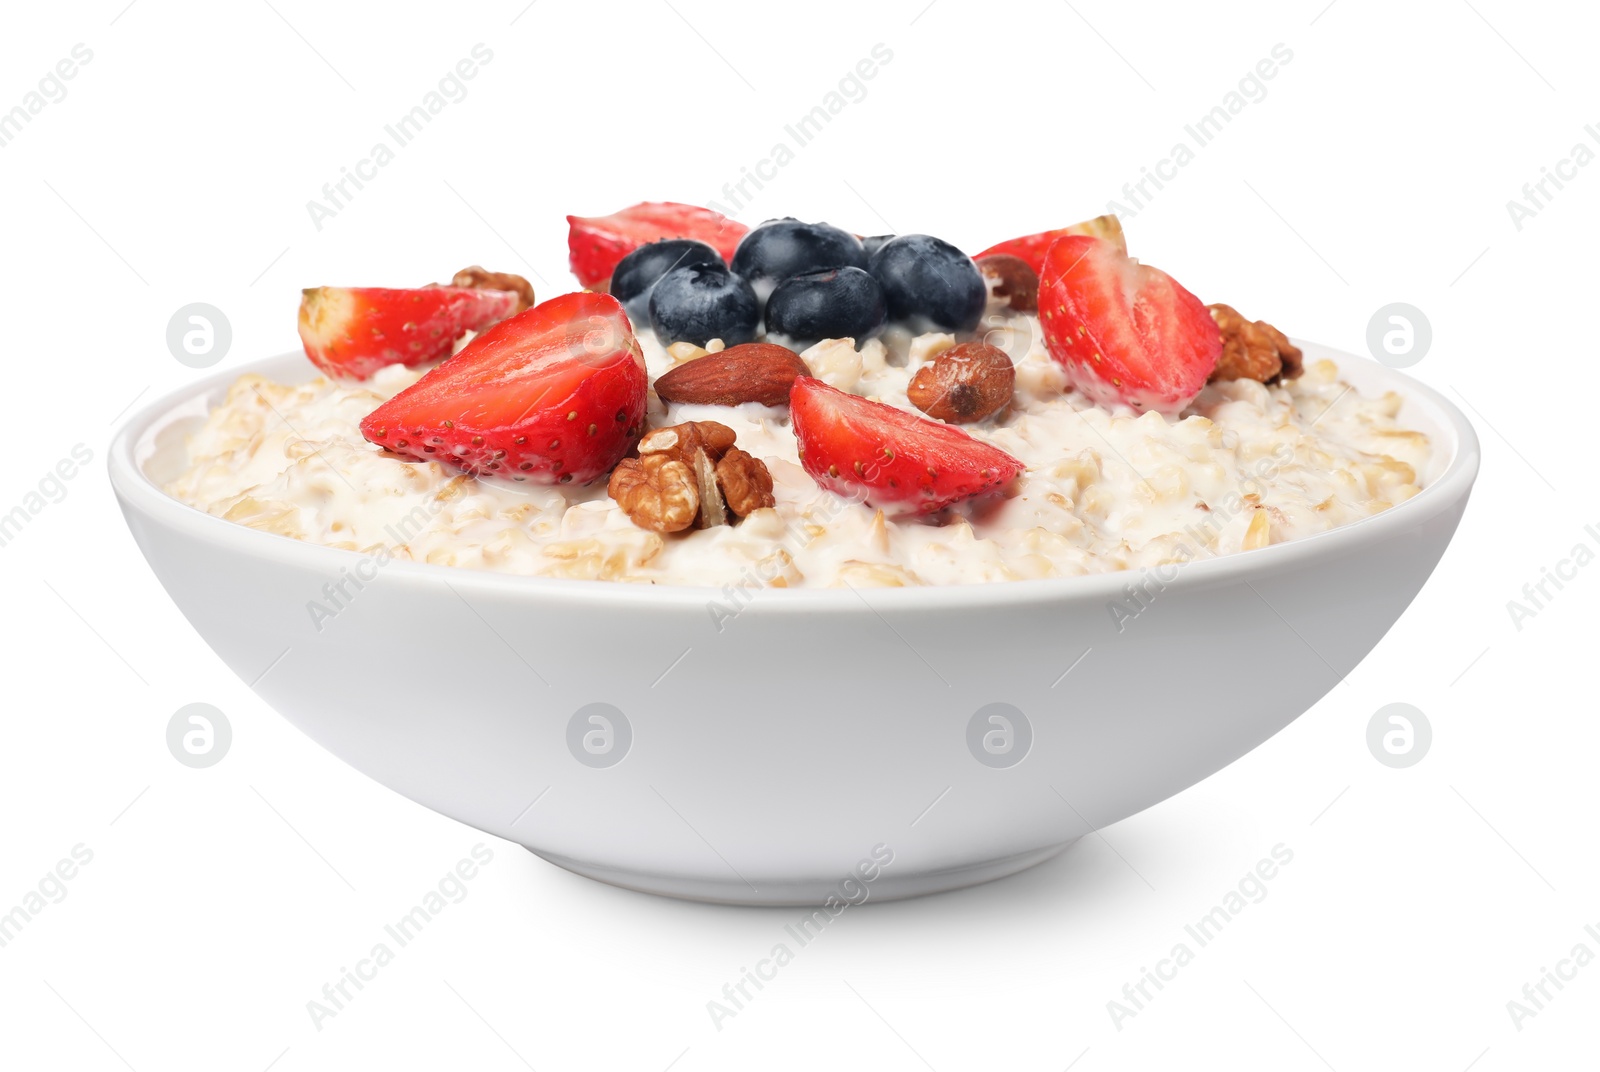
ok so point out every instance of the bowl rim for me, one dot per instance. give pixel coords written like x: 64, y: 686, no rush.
x: 138, y: 492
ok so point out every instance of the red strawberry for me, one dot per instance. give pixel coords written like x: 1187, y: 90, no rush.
x: 1032, y: 248
x: 1124, y: 331
x: 597, y: 243
x: 355, y: 331
x: 556, y: 393
x: 896, y: 460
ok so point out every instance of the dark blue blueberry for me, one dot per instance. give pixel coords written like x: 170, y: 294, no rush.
x: 779, y: 249
x: 834, y: 303
x: 700, y: 302
x: 929, y: 283
x: 875, y: 243
x: 636, y: 273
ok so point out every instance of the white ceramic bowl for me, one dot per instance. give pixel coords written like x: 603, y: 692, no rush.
x: 764, y: 762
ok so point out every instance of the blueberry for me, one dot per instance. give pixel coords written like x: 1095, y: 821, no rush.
x: 636, y: 273
x: 875, y: 243
x: 833, y: 303
x: 779, y: 249
x: 929, y: 283
x: 700, y: 302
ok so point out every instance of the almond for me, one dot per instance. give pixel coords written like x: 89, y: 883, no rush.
x: 964, y: 383
x: 713, y: 511
x: 1011, y: 277
x: 752, y: 372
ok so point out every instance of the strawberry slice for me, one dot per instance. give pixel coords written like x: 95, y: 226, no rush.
x: 859, y: 448
x: 597, y: 243
x: 1032, y: 248
x: 355, y: 331
x: 554, y: 394
x: 1124, y: 331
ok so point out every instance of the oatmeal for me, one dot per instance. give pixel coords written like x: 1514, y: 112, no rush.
x: 1105, y: 488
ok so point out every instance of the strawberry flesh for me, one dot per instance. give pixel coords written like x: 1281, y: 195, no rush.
x: 552, y: 395
x: 596, y: 243
x: 1125, y: 332
x: 355, y: 331
x: 889, y: 458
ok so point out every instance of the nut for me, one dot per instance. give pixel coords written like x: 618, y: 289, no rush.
x: 964, y: 383
x: 746, y: 484
x: 656, y: 492
x: 1011, y: 277
x: 1288, y: 352
x: 713, y: 511
x: 1106, y: 227
x: 688, y: 473
x: 681, y: 441
x: 751, y: 372
x: 685, y: 351
x: 1253, y: 349
x: 481, y: 279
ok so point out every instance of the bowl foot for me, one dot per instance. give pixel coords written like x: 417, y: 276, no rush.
x: 890, y: 885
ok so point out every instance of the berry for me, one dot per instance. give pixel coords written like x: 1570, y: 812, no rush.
x: 636, y: 273
x: 833, y: 303
x: 355, y: 331
x: 555, y: 394
x: 929, y: 283
x: 700, y: 302
x: 874, y: 243
x: 596, y: 243
x: 1032, y: 248
x: 892, y: 459
x: 782, y: 248
x: 1124, y: 331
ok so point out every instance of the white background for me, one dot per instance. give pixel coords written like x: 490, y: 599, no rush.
x: 1377, y: 169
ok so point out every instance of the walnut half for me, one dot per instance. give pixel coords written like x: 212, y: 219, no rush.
x: 1252, y: 349
x: 481, y: 279
x: 746, y: 484
x: 707, y: 477
x: 656, y: 492
x: 680, y: 441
